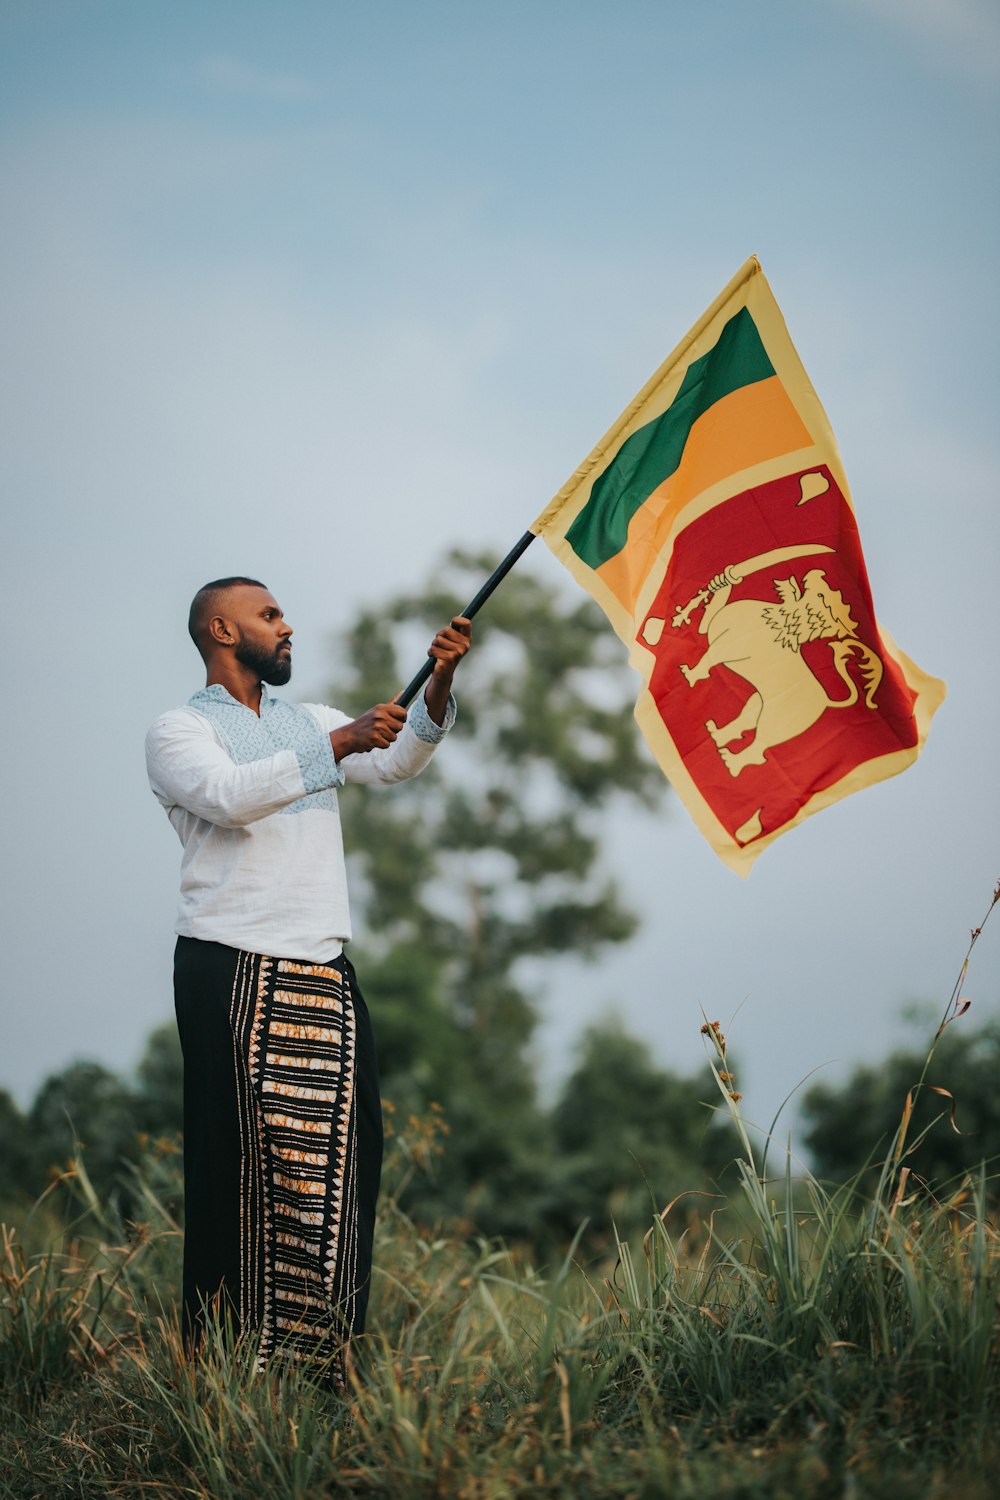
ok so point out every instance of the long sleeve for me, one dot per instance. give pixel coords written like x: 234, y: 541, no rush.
x: 188, y: 768
x: 405, y: 757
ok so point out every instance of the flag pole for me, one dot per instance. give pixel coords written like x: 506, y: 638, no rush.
x: 499, y: 573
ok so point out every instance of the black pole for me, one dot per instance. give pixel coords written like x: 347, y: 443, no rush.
x: 405, y: 698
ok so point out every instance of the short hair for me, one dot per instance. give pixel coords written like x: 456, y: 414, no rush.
x: 206, y: 601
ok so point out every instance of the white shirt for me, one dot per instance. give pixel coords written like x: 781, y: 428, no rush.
x: 254, y: 803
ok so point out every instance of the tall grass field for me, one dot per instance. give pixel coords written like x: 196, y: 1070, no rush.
x: 791, y: 1341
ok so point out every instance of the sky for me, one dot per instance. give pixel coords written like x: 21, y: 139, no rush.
x: 314, y: 291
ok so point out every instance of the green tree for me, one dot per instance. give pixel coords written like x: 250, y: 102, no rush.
x: 469, y: 881
x: 629, y: 1134
x: 849, y: 1125
x: 18, y: 1169
x: 85, y: 1107
x: 159, y: 1101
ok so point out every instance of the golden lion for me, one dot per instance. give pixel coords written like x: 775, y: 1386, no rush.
x: 761, y: 642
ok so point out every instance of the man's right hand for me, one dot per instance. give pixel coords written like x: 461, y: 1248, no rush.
x: 374, y: 730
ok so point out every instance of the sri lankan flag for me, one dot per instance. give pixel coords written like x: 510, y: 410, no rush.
x: 714, y: 526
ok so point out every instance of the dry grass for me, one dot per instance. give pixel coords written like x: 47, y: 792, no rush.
x: 822, y: 1346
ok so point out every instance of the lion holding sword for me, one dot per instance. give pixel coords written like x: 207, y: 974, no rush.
x: 762, y: 642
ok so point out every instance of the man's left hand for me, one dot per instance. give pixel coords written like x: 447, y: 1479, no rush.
x: 447, y: 648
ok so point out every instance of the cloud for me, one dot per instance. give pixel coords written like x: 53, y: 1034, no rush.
x: 224, y: 73
x: 962, y: 34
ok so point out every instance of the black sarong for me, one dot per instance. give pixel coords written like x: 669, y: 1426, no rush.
x: 282, y: 1146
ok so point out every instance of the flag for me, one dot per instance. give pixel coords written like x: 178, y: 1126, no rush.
x: 714, y: 526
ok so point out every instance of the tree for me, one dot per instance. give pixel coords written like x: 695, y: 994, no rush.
x: 85, y: 1106
x: 629, y: 1134
x: 88, y: 1108
x: 159, y: 1101
x: 471, y: 880
x: 17, y: 1160
x: 850, y: 1125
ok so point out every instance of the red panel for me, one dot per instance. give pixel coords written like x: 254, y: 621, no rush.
x: 752, y: 523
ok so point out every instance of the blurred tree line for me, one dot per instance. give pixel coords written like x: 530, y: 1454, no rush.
x: 850, y: 1127
x: 468, y: 886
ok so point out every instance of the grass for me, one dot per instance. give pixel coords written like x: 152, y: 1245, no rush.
x: 821, y: 1344
x: 830, y: 1348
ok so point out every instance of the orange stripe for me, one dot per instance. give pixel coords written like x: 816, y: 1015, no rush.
x: 747, y: 427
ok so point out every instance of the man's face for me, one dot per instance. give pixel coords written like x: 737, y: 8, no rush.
x: 263, y: 637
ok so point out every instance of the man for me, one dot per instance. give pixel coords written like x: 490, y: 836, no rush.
x: 282, y: 1118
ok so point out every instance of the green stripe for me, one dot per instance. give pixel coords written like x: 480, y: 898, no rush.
x: 654, y: 452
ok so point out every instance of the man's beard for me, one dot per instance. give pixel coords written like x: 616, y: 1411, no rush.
x: 273, y: 667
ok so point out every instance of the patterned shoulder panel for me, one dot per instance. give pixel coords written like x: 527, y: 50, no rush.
x: 281, y: 726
